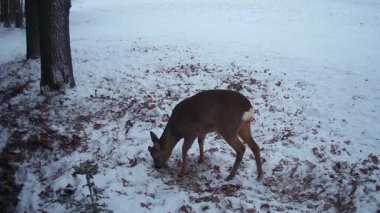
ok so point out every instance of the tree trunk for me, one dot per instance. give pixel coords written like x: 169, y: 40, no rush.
x: 56, y: 64
x: 18, y: 14
x: 11, y: 11
x: 32, y: 29
x: 7, y: 21
x: 2, y: 11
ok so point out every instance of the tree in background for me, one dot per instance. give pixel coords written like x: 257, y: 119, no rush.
x: 19, y: 13
x: 47, y: 36
x: 56, y: 63
x: 32, y: 29
x: 12, y: 13
x: 5, y: 16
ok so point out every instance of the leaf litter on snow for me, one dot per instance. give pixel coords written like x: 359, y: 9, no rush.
x: 306, y: 166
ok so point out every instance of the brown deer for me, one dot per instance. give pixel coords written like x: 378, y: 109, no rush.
x: 226, y: 112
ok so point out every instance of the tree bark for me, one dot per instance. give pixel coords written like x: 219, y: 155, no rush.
x: 6, y: 17
x: 11, y: 11
x: 19, y: 23
x: 56, y: 64
x: 32, y: 29
x: 2, y: 10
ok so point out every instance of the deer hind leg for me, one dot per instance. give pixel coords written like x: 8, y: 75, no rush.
x: 245, y: 134
x: 235, y: 143
x: 188, y: 141
x: 201, y: 140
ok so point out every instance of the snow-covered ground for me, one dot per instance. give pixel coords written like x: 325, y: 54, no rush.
x: 310, y: 68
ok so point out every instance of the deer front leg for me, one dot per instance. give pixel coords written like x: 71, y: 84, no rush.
x: 185, y: 148
x: 201, y: 140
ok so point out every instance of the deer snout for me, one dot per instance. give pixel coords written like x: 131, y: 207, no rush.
x: 160, y: 164
x: 157, y: 165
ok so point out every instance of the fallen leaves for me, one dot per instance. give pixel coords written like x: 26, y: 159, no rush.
x: 125, y: 182
x: 211, y: 198
x: 230, y: 190
x: 186, y: 209
x: 132, y: 162
x: 97, y: 126
x: 286, y: 134
x: 68, y: 144
x: 146, y: 205
x: 279, y: 126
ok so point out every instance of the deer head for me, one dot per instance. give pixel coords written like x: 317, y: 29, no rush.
x: 159, y: 156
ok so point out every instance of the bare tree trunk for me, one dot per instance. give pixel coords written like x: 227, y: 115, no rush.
x: 32, y: 29
x: 11, y: 11
x: 7, y: 21
x: 56, y: 64
x: 18, y: 14
x: 2, y: 11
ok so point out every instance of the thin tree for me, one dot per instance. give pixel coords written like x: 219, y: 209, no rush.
x: 2, y: 3
x: 56, y: 63
x: 12, y: 13
x: 5, y: 13
x: 32, y: 29
x: 19, y: 15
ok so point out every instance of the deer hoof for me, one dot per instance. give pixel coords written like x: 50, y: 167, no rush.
x: 200, y: 160
x: 229, y: 178
x: 260, y: 176
x: 183, y: 173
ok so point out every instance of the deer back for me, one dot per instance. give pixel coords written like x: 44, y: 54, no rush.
x: 212, y: 110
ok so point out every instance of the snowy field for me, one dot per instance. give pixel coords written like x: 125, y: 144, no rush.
x: 310, y: 68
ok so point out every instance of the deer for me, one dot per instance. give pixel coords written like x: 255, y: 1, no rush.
x: 226, y: 112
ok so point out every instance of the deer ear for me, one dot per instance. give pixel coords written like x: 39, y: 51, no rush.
x: 154, y: 137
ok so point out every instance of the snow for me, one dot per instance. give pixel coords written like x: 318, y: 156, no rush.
x: 310, y: 68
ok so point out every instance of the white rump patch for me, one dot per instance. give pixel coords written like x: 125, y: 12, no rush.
x: 248, y: 116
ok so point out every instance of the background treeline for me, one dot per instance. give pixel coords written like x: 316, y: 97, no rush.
x: 12, y: 13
